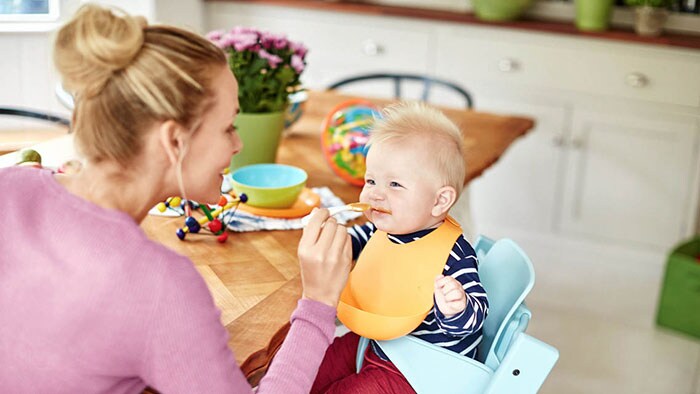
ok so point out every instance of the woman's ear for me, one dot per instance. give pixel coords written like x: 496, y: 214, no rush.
x: 445, y: 197
x: 171, y: 137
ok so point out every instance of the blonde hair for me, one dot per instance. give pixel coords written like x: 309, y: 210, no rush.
x: 126, y: 75
x: 408, y: 120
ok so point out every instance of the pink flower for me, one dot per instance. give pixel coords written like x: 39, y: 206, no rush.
x: 298, y: 49
x: 272, y: 60
x: 239, y: 41
x: 215, y: 35
x: 276, y: 41
x: 297, y: 64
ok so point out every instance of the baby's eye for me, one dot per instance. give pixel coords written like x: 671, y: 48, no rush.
x: 369, y: 181
x: 394, y: 184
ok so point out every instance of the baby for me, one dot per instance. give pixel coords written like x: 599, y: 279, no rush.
x: 415, y: 173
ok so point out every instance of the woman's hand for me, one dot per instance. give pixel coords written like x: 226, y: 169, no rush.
x: 449, y: 295
x: 325, y: 255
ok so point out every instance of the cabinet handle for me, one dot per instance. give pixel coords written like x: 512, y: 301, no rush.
x: 637, y: 80
x: 559, y: 141
x: 372, y: 48
x: 508, y: 65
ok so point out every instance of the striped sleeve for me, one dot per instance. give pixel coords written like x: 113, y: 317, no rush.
x: 360, y: 235
x: 462, y: 265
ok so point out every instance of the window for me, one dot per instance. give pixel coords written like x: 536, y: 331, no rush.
x: 29, y: 10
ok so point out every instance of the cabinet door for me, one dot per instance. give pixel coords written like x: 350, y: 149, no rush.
x: 630, y: 178
x: 519, y: 191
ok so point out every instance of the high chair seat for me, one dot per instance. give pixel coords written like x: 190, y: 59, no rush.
x: 508, y: 360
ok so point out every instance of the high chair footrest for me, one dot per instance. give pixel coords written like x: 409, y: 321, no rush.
x: 524, y: 368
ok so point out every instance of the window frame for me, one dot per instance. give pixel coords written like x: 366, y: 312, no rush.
x: 51, y: 16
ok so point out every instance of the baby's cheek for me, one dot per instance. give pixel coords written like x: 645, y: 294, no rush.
x: 363, y: 195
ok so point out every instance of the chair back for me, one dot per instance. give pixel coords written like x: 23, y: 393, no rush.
x: 398, y: 79
x: 507, y: 276
x: 40, y: 115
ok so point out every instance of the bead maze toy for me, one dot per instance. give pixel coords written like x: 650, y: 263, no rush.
x: 211, y: 216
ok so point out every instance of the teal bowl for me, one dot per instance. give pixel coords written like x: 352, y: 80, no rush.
x: 500, y: 10
x: 274, y: 186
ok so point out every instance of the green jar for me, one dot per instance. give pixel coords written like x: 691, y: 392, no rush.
x: 593, y: 15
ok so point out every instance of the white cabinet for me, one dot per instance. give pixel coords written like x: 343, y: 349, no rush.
x: 614, y: 156
x: 520, y: 190
x: 629, y: 178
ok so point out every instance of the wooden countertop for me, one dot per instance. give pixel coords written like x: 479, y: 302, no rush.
x: 563, y: 28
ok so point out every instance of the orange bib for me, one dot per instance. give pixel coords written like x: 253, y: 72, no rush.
x: 390, y: 290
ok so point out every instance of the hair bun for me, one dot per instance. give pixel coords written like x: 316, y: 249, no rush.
x: 95, y: 44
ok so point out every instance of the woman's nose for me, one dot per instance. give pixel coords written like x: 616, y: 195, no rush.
x: 237, y: 143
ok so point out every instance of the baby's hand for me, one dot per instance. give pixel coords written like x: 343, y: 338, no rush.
x: 449, y: 295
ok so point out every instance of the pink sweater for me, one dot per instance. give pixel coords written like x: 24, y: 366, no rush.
x: 89, y: 304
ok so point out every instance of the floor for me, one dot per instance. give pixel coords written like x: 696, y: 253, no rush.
x: 599, y: 311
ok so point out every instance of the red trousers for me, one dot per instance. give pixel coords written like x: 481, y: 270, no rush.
x: 337, y: 371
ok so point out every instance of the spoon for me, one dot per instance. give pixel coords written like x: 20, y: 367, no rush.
x: 354, y: 206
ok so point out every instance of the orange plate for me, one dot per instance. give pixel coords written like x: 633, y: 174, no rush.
x: 307, y: 201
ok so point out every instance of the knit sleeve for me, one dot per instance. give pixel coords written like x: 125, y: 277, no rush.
x: 463, y: 266
x: 294, y: 368
x: 360, y: 235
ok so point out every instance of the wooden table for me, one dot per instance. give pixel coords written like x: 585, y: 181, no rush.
x: 254, y: 277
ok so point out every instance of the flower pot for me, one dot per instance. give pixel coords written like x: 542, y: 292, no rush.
x: 260, y: 134
x: 649, y: 21
x: 500, y: 10
x: 593, y: 15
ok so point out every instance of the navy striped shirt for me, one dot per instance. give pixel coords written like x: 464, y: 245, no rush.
x: 460, y: 333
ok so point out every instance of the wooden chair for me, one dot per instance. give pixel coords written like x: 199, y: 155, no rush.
x: 23, y: 135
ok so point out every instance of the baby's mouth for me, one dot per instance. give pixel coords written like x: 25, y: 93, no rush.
x: 381, y: 210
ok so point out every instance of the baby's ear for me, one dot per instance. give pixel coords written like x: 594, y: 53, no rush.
x: 445, y: 197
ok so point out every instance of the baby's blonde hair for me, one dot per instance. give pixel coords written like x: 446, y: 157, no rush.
x: 125, y: 76
x: 407, y: 120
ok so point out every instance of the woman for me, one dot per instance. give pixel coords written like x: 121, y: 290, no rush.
x: 87, y: 302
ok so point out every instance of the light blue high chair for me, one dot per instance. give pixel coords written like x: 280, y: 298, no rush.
x: 508, y: 360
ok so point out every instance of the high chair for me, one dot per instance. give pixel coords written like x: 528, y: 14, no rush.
x: 508, y: 360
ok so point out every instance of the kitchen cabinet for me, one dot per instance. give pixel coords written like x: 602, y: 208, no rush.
x: 614, y: 158
x: 521, y: 190
x: 629, y: 178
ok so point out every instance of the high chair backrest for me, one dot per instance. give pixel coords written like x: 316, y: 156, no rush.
x: 507, y: 276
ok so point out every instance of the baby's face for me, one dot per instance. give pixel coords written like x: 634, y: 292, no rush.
x: 401, y: 178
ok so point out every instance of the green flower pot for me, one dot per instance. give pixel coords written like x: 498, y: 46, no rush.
x: 261, y: 135
x: 500, y: 10
x: 593, y: 15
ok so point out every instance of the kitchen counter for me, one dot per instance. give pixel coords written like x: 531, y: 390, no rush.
x: 555, y: 27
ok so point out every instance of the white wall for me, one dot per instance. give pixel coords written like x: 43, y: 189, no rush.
x: 27, y: 75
